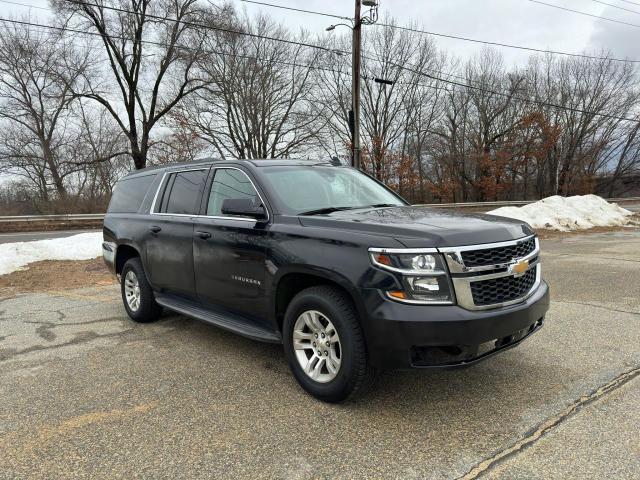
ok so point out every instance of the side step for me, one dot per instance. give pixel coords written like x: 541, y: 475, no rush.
x: 227, y: 321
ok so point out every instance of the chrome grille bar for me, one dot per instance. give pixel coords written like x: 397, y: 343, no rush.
x: 463, y: 276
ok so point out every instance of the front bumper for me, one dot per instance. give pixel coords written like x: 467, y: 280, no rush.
x: 401, y: 336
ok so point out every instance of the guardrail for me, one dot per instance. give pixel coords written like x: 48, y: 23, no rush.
x: 100, y: 216
x: 52, y: 218
x: 513, y: 203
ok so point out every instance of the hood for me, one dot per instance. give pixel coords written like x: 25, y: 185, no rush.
x: 423, y: 227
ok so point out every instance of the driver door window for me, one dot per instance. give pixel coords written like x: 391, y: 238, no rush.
x: 228, y: 183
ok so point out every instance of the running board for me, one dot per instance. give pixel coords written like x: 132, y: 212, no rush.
x: 235, y: 324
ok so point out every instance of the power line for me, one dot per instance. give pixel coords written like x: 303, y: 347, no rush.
x: 235, y: 55
x: 584, y: 13
x: 454, y: 37
x: 160, y: 44
x: 399, y: 27
x: 632, y: 3
x: 616, y: 6
x: 508, y: 95
x: 25, y: 5
x: 432, y: 77
x: 506, y: 45
x: 324, y: 14
x: 304, y: 65
x: 208, y: 27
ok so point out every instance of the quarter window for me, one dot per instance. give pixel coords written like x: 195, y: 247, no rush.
x: 129, y: 194
x: 182, y: 193
x: 229, y: 183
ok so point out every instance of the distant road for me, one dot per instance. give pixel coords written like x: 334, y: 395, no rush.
x: 634, y: 207
x: 31, y: 236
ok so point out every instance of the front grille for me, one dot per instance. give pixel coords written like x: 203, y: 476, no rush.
x: 494, y: 256
x: 503, y: 289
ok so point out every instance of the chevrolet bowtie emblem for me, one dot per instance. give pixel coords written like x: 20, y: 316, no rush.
x: 519, y: 269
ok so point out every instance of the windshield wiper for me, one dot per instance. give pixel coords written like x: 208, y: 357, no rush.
x: 380, y: 205
x: 321, y: 211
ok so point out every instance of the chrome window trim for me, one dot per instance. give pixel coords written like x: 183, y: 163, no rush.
x: 213, y: 217
x: 155, y: 197
x: 164, y: 176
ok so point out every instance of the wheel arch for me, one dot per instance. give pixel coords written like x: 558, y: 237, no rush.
x: 125, y: 252
x: 293, y: 281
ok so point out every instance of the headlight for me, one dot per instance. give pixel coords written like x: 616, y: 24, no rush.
x: 423, y: 275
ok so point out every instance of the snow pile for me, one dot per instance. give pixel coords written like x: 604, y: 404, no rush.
x: 568, y: 213
x: 14, y: 256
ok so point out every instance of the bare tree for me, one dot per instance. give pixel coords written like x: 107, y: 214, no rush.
x: 152, y: 50
x: 592, y: 96
x: 255, y: 103
x: 39, y: 73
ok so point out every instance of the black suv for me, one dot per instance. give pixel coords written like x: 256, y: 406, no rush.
x: 327, y: 261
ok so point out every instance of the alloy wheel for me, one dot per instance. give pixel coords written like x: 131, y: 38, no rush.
x: 132, y: 290
x: 317, y: 346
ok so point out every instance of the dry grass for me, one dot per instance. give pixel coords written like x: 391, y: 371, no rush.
x: 40, y: 226
x: 56, y: 275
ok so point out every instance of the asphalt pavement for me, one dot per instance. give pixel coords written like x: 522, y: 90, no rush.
x: 88, y: 394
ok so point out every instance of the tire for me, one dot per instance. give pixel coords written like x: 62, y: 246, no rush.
x: 331, y: 306
x: 145, y: 309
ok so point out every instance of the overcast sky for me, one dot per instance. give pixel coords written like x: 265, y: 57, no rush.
x: 519, y: 22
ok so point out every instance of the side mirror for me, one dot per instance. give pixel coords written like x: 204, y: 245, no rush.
x: 243, y: 207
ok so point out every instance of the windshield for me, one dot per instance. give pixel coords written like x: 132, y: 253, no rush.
x: 322, y: 189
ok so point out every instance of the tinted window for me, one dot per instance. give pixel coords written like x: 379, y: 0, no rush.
x: 228, y: 183
x: 182, y: 193
x: 129, y: 193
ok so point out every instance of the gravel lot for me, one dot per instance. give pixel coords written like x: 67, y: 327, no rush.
x: 88, y: 394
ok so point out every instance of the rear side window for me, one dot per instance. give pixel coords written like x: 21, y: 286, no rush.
x: 129, y: 193
x: 182, y: 192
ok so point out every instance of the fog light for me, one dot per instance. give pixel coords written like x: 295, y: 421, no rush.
x: 428, y: 284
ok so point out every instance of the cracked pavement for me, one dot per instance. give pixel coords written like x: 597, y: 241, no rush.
x: 88, y: 394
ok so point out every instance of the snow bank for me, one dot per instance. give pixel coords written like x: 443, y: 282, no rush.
x: 568, y: 213
x: 14, y: 256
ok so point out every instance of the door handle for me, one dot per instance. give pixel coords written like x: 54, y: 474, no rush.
x: 203, y: 235
x: 154, y: 229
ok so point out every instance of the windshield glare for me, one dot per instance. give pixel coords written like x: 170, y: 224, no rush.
x: 304, y: 189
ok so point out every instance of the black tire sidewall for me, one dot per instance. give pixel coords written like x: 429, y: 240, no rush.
x: 343, y: 320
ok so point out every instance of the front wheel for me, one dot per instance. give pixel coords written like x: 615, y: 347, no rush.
x: 325, y: 346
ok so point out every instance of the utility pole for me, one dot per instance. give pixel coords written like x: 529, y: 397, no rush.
x: 356, y: 46
x: 355, y: 85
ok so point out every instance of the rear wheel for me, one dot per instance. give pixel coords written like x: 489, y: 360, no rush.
x: 325, y: 346
x: 137, y: 295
